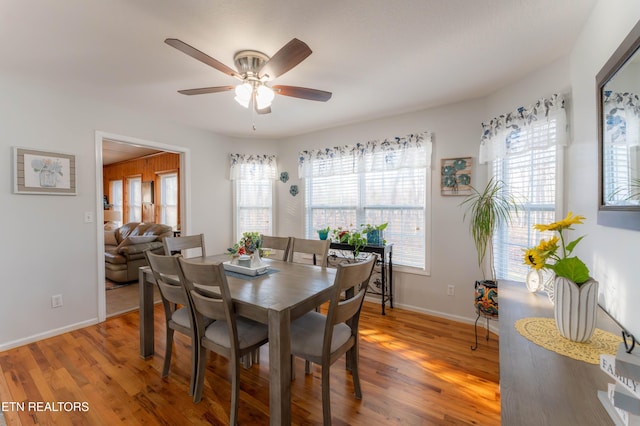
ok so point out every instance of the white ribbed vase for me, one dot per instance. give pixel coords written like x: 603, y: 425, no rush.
x: 575, y: 308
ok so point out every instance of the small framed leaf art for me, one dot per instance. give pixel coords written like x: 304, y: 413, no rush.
x: 456, y: 176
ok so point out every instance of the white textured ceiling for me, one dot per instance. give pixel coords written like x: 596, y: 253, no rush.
x: 378, y: 57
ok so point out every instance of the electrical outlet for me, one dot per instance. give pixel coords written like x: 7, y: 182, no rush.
x: 56, y: 301
x: 451, y: 290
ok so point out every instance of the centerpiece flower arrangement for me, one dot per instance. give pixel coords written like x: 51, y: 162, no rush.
x: 248, y: 244
x: 546, y: 256
x: 575, y: 292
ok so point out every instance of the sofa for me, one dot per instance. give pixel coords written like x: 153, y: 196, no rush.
x: 125, y: 246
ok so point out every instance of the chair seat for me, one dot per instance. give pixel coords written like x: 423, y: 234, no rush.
x: 181, y: 317
x: 249, y: 332
x: 307, y: 334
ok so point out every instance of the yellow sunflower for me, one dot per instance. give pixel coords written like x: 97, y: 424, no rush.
x: 533, y: 258
x: 548, y: 246
x: 561, y: 224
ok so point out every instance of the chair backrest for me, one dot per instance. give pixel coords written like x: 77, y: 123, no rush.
x: 173, y: 245
x: 210, y: 296
x: 280, y: 244
x: 166, y: 271
x: 350, y: 286
x: 319, y: 249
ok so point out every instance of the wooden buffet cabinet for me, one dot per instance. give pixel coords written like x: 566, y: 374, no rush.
x: 540, y: 387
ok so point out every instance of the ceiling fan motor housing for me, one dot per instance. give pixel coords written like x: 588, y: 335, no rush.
x: 249, y: 62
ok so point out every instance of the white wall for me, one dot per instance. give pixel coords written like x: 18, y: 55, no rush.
x: 47, y: 247
x: 610, y: 252
x: 456, y: 130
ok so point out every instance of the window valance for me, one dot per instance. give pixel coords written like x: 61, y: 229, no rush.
x: 411, y: 151
x: 539, y: 126
x: 622, y: 117
x: 251, y: 166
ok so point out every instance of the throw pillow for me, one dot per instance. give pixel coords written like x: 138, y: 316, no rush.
x: 137, y: 239
x: 140, y: 239
x: 110, y: 238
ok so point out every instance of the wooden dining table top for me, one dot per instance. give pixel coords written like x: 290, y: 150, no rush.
x: 286, y: 286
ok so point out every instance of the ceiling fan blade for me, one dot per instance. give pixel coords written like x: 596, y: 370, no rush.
x: 205, y: 90
x: 303, y: 93
x: 202, y: 57
x: 286, y: 58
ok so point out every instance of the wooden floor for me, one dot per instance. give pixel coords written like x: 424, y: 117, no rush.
x: 415, y: 370
x: 125, y: 299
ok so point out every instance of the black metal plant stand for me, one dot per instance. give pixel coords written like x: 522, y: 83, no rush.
x: 486, y: 304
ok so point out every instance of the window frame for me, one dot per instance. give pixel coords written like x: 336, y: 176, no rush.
x: 162, y: 204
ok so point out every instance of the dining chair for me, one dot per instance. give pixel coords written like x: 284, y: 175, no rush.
x: 230, y: 335
x: 173, y: 245
x: 177, y: 307
x: 318, y: 249
x: 323, y: 339
x: 280, y: 244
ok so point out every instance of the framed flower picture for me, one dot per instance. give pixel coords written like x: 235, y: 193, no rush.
x: 42, y: 172
x: 455, y: 176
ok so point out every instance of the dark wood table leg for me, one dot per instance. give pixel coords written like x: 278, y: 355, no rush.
x: 279, y: 367
x: 145, y: 289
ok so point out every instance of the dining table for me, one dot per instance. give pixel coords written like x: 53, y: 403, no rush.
x: 283, y: 293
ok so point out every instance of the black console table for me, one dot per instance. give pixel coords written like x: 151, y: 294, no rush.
x: 385, y: 254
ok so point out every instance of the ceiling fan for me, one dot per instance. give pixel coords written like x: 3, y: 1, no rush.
x: 255, y: 70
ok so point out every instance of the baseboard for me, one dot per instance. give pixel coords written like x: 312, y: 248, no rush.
x: 47, y: 334
x: 493, y: 328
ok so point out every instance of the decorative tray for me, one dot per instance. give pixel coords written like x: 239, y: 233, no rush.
x: 253, y: 271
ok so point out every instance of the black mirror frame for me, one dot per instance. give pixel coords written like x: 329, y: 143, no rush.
x: 627, y: 217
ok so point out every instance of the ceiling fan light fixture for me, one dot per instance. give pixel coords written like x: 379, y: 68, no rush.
x: 264, y: 96
x: 243, y: 94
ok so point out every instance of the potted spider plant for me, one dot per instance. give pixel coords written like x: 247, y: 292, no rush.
x: 488, y: 210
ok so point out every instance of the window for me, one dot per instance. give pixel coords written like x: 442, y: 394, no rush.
x: 115, y: 189
x: 169, y: 199
x: 525, y: 151
x: 381, y: 182
x: 135, y: 199
x: 254, y: 206
x: 253, y: 177
x: 532, y: 178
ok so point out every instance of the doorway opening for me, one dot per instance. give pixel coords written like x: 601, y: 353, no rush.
x: 111, y: 148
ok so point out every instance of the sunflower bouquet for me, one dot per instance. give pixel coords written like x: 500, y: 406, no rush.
x: 555, y: 253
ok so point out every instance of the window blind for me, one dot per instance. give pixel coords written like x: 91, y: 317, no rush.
x: 169, y: 199
x: 397, y: 197
x: 531, y: 177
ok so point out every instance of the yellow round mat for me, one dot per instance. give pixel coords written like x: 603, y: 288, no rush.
x: 543, y: 332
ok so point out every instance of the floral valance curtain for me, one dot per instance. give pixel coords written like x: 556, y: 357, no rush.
x: 537, y: 127
x: 411, y: 151
x: 622, y: 117
x: 250, y: 166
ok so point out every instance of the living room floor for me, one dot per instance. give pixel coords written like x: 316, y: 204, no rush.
x: 124, y: 298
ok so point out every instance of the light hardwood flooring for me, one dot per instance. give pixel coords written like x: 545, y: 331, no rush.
x: 415, y: 369
x: 125, y: 299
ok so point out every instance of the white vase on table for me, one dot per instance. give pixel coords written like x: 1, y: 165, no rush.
x: 575, y: 308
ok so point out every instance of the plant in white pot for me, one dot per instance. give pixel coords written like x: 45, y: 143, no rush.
x: 575, y: 292
x: 487, y: 211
